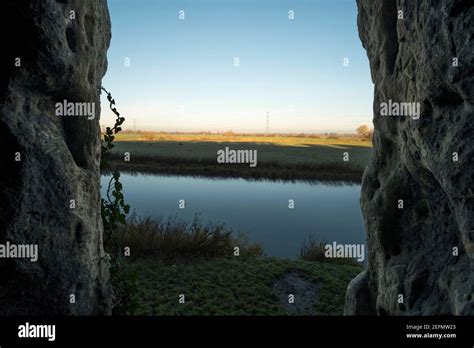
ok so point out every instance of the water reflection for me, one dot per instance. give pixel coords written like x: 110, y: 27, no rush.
x: 328, y: 210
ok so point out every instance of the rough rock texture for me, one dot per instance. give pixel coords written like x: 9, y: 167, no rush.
x: 411, y: 249
x: 61, y: 58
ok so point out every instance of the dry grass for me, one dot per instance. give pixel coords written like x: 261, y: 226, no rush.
x: 274, y: 139
x: 173, y: 239
x: 313, y: 249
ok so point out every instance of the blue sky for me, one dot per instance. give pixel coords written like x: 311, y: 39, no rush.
x: 182, y: 76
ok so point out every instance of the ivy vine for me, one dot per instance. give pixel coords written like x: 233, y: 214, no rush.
x: 113, y: 211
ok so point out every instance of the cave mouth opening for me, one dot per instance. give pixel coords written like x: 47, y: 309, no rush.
x: 236, y: 69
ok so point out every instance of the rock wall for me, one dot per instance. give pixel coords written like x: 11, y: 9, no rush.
x: 417, y: 194
x: 47, y: 160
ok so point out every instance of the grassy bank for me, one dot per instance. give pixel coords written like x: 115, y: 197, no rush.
x: 241, y: 286
x: 171, y: 257
x: 279, y: 157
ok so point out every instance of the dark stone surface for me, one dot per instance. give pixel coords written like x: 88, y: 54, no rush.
x: 411, y: 249
x: 61, y: 58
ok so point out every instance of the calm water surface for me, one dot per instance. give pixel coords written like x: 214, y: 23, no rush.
x: 260, y: 208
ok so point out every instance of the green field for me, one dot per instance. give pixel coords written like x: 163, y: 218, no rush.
x: 241, y: 286
x: 279, y: 157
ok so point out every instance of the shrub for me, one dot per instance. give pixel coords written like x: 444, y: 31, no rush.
x: 174, y: 239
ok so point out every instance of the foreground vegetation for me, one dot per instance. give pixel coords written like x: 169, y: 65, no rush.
x: 174, y: 240
x: 170, y: 258
x: 279, y: 156
x: 235, y: 286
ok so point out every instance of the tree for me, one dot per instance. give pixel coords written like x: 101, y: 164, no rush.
x: 364, y: 132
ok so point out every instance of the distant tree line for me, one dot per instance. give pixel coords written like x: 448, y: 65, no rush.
x: 363, y: 132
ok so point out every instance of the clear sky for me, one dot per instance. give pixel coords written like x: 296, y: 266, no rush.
x: 182, y: 75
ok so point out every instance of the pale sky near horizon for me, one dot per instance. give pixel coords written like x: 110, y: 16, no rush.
x: 182, y: 75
